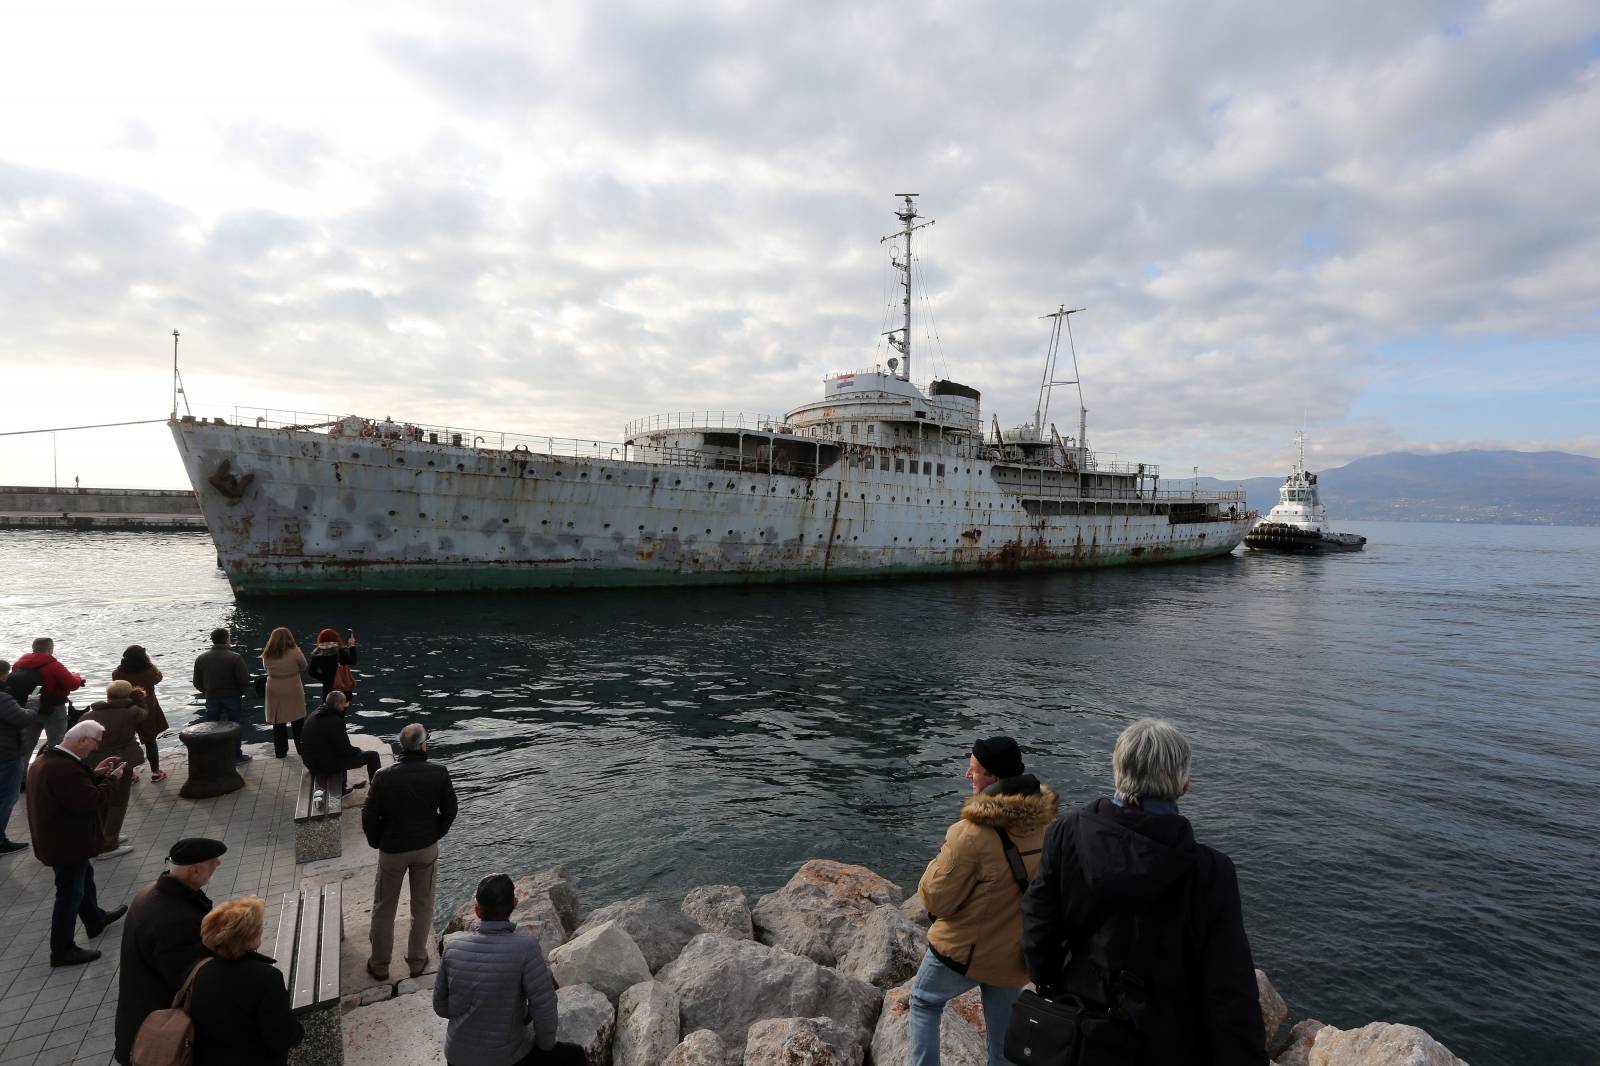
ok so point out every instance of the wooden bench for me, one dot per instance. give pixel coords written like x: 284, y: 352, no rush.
x: 316, y: 829
x: 306, y: 949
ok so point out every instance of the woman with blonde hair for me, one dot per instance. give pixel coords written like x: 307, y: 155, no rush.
x: 120, y: 714
x: 286, y: 693
x: 239, y: 1005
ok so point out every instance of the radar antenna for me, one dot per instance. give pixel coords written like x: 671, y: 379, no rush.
x: 907, y: 216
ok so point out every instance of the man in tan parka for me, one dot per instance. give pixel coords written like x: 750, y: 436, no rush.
x: 973, y: 889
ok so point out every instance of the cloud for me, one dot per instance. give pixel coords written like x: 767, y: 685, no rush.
x: 556, y: 219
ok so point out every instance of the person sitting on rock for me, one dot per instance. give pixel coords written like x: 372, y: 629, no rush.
x: 1129, y: 913
x: 973, y: 889
x: 492, y: 983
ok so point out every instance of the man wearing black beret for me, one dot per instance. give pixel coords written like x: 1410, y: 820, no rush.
x: 162, y: 940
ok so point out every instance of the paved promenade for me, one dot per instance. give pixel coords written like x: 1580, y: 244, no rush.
x: 56, y: 1016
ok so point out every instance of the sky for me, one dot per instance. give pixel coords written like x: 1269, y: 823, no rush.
x: 1378, y: 220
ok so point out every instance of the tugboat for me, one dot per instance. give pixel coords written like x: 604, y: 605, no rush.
x: 1300, y: 523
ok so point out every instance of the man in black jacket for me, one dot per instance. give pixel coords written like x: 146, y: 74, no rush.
x: 410, y: 807
x: 162, y: 940
x: 1128, y: 912
x: 325, y: 745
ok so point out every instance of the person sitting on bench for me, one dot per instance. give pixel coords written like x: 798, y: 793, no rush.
x: 325, y: 746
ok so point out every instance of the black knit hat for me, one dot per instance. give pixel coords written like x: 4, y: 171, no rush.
x: 999, y: 755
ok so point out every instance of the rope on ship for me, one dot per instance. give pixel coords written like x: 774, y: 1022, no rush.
x: 68, y: 429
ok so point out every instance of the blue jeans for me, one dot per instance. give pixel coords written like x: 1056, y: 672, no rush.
x: 937, y: 984
x: 75, y: 899
x: 11, y: 771
x: 226, y: 709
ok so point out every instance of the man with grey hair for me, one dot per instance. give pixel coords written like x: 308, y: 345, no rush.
x: 409, y: 808
x: 1129, y: 914
x: 66, y: 802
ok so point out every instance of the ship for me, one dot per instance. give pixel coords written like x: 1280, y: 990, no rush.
x: 879, y: 478
x: 1299, y: 523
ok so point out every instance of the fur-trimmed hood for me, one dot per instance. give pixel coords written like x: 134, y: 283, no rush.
x: 1016, y: 804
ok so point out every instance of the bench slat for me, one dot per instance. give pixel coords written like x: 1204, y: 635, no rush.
x: 284, y: 936
x: 332, y: 931
x: 302, y: 802
x: 305, y: 955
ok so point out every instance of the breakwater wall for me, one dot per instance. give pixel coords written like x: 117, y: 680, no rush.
x: 818, y: 972
x: 37, y: 507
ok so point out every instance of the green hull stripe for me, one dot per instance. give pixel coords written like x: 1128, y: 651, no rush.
x: 508, y: 577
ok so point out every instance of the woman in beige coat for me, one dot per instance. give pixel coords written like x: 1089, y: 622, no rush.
x: 120, y: 713
x: 286, y: 694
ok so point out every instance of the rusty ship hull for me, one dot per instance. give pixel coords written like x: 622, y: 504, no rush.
x: 298, y: 511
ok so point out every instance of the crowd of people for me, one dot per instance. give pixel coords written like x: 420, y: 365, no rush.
x: 1112, y: 909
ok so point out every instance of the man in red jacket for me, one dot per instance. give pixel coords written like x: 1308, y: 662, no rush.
x: 56, y: 683
x: 66, y: 799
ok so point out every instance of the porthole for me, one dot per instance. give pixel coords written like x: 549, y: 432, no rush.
x: 391, y: 514
x: 585, y: 474
x: 569, y: 525
x: 676, y: 482
x: 505, y: 521
x: 502, y: 470
x: 464, y: 518
x: 461, y: 467
x: 430, y: 462
x: 608, y: 477
x: 544, y: 521
x: 421, y: 515
x: 674, y: 529
x: 355, y: 455
x: 606, y: 526
x: 708, y: 532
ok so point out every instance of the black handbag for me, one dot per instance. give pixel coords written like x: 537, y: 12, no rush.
x: 1068, y: 1032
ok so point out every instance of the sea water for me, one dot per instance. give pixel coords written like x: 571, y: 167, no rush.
x: 1400, y: 748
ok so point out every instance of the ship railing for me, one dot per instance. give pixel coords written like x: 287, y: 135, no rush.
x: 706, y: 420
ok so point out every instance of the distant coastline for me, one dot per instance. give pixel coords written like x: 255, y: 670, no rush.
x: 1492, y: 487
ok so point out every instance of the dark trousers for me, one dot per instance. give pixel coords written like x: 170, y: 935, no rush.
x: 75, y: 899
x: 280, y: 736
x: 358, y: 759
x: 560, y: 1055
x: 226, y: 709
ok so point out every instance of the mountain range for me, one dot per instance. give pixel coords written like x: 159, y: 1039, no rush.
x: 1524, y: 488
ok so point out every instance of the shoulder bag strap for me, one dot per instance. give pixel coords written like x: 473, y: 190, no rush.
x: 186, y: 993
x: 1019, y: 869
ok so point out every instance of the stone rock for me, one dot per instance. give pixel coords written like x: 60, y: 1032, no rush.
x: 395, y: 1031
x: 1295, y: 1049
x: 544, y: 897
x: 1273, y: 1009
x: 887, y: 950
x: 700, y: 1048
x: 377, y: 994
x: 820, y: 911
x: 1379, y: 1044
x: 915, y: 912
x: 721, y: 909
x: 725, y: 985
x: 963, y: 1039
x: 416, y: 984
x: 801, y: 1042
x: 604, y: 957
x: 647, y: 1025
x: 588, y: 1020
x: 660, y: 931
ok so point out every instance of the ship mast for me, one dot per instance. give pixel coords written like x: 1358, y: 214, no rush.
x: 1041, y: 413
x: 907, y: 216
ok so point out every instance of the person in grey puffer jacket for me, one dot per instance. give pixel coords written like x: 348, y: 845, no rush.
x: 496, y: 991
x: 17, y: 728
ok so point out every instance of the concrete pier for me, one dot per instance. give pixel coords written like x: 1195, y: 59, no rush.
x: 34, y: 507
x: 50, y: 1016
